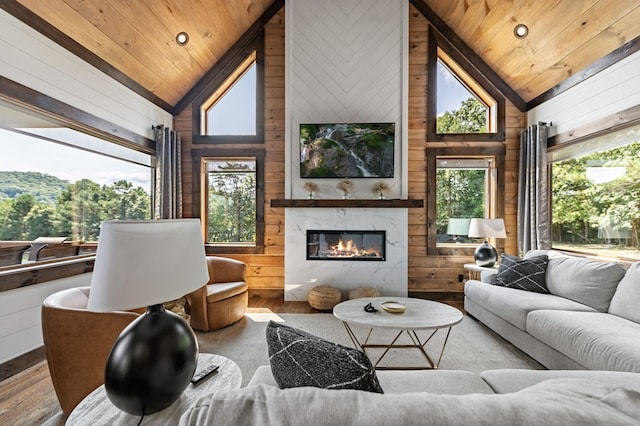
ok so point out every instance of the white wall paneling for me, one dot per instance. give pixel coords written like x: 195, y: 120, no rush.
x: 345, y: 63
x: 42, y: 65
x: 20, y: 323
x: 612, y: 90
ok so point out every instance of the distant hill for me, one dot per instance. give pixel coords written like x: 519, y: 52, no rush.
x: 45, y: 188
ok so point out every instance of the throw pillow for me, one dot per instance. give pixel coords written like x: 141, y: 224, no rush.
x: 523, y: 274
x: 626, y: 300
x: 301, y: 359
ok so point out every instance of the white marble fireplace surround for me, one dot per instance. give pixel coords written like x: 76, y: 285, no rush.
x: 301, y: 275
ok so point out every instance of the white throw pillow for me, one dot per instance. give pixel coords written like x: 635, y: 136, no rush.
x: 626, y: 300
x: 585, y: 281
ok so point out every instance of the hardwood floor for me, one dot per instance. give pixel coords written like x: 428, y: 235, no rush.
x: 28, y: 398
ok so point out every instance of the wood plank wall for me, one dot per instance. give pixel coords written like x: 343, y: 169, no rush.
x: 435, y: 277
x: 265, y: 272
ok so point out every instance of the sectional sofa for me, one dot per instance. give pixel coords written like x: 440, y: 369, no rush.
x: 438, y: 397
x: 585, y: 325
x: 590, y: 319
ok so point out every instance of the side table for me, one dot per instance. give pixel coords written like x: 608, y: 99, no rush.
x: 475, y: 270
x: 97, y: 409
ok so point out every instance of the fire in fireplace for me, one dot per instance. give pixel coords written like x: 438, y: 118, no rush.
x: 346, y: 245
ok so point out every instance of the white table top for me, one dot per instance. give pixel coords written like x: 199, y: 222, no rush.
x: 477, y: 268
x: 419, y: 314
x: 97, y: 409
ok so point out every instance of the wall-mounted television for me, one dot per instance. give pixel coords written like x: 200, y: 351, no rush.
x: 347, y: 150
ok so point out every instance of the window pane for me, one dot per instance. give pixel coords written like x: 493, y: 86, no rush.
x: 50, y: 188
x: 235, y: 112
x: 461, y: 192
x: 459, y: 110
x: 596, y: 202
x: 231, y: 215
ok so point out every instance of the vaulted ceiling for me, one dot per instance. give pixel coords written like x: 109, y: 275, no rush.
x: 136, y: 39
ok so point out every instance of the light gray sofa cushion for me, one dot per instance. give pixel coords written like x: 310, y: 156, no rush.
x: 514, y: 305
x: 450, y: 382
x: 585, y: 281
x: 626, y: 300
x: 514, y: 380
x: 597, y: 341
x: 560, y: 401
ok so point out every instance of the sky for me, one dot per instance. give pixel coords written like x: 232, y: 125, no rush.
x: 235, y: 112
x: 451, y: 92
x: 28, y: 154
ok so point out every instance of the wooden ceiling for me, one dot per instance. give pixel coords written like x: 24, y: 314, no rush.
x: 137, y: 37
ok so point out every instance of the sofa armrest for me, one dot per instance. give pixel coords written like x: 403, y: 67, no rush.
x: 488, y: 276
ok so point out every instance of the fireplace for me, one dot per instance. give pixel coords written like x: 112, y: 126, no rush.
x: 346, y: 245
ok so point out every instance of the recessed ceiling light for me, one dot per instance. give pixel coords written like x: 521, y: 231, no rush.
x: 520, y: 31
x: 182, y: 38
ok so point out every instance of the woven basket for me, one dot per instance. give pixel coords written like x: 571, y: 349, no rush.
x: 324, y: 297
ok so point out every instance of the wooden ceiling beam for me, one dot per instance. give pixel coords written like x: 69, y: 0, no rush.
x: 472, y: 56
x: 617, y: 55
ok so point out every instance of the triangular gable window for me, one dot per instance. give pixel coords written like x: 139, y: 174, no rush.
x: 231, y: 110
x: 230, y: 107
x: 462, y: 106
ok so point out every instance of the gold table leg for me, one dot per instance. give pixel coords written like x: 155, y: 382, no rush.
x: 417, y: 343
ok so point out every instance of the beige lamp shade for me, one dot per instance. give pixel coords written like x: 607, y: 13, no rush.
x: 487, y: 228
x: 145, y: 263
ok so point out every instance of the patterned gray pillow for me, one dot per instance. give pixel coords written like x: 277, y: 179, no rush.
x: 300, y: 359
x: 523, y: 274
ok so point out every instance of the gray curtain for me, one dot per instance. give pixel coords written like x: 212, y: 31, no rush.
x: 534, y: 221
x: 168, y: 185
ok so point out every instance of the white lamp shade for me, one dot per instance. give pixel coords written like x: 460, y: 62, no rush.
x: 144, y: 263
x: 487, y: 228
x: 458, y: 226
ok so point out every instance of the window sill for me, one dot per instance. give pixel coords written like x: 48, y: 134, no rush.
x: 41, y: 272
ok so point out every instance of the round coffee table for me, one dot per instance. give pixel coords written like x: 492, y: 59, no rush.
x: 419, y: 314
x: 97, y: 408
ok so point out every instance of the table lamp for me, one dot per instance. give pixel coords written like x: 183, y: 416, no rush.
x: 146, y: 263
x: 457, y: 227
x: 486, y: 255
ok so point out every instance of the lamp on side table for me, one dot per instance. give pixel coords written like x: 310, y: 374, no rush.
x: 146, y: 263
x: 486, y: 255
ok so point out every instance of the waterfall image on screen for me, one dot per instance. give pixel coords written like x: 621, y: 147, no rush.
x: 347, y: 150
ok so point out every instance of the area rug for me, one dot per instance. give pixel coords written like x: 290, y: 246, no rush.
x: 471, y: 346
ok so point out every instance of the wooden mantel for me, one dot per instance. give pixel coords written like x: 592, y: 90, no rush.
x: 348, y: 203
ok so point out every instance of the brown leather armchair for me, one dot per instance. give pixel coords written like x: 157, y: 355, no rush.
x: 223, y: 300
x: 77, y: 343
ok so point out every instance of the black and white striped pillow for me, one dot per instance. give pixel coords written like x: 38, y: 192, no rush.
x: 523, y: 274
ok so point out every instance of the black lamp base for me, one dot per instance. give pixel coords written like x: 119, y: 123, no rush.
x: 151, y: 363
x: 485, y: 255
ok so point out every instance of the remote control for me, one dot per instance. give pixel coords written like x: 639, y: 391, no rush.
x: 200, y: 375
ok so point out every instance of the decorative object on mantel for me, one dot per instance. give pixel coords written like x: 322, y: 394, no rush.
x: 346, y: 186
x: 351, y: 203
x: 310, y: 187
x: 380, y: 188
